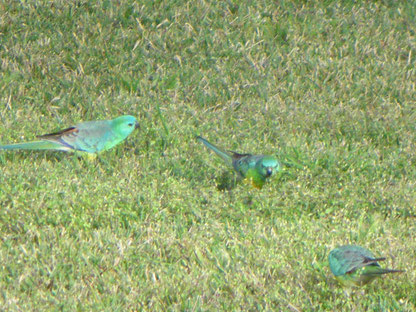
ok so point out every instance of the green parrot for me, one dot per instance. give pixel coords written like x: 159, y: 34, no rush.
x: 355, y: 265
x: 253, y: 168
x: 90, y: 137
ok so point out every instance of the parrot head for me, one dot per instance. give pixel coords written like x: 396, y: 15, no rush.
x: 267, y: 165
x: 124, y: 125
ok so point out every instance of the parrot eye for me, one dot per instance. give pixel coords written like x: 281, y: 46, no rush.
x: 130, y: 125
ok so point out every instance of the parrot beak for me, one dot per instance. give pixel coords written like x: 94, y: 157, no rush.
x: 137, y: 126
x: 269, y: 171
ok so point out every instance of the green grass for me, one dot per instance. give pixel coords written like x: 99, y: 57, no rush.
x: 328, y: 87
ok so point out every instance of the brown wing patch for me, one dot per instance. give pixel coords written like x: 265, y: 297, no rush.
x: 236, y: 155
x: 69, y: 130
x: 373, y: 260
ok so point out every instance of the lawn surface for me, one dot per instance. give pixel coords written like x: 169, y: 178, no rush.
x: 159, y: 222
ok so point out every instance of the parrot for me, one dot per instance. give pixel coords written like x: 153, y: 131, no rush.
x: 355, y: 266
x: 90, y: 137
x: 253, y: 168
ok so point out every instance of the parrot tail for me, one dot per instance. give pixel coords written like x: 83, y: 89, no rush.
x: 224, y: 155
x: 379, y: 271
x: 35, y: 145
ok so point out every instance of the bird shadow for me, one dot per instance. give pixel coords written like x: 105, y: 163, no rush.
x: 226, y: 182
x: 51, y: 157
x: 34, y: 155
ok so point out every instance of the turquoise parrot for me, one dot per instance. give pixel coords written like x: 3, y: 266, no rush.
x: 355, y: 265
x: 253, y: 168
x: 90, y: 137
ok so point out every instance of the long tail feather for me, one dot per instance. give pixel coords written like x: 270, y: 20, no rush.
x: 35, y: 145
x: 224, y: 155
x: 379, y: 271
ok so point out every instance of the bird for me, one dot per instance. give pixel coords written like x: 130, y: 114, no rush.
x: 253, y: 168
x: 355, y: 266
x: 91, y: 137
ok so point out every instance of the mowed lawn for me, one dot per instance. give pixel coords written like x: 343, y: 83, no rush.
x: 159, y: 222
